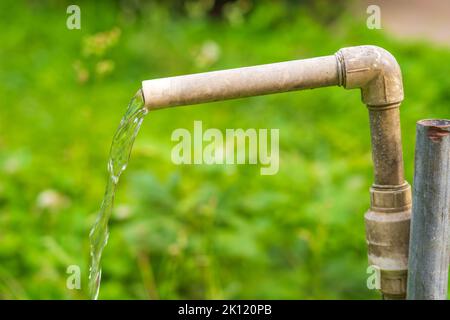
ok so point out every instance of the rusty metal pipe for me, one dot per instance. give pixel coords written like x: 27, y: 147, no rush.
x: 377, y: 74
x: 241, y: 82
x: 386, y: 139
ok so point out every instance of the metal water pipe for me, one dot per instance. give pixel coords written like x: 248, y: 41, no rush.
x: 429, y: 245
x: 369, y: 68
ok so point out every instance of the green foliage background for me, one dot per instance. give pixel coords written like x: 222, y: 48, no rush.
x: 189, y: 231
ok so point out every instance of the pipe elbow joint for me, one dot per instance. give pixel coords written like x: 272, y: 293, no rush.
x: 374, y: 70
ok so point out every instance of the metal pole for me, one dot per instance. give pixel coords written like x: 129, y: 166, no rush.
x: 429, y: 244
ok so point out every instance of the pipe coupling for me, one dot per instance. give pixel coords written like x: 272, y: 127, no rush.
x: 374, y: 70
x: 390, y: 198
x: 387, y: 234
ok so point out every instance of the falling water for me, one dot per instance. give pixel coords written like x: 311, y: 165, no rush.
x: 118, y: 160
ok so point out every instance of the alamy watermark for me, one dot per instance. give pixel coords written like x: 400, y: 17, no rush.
x: 74, y: 19
x: 236, y: 146
x: 374, y: 278
x: 73, y: 280
x: 374, y: 19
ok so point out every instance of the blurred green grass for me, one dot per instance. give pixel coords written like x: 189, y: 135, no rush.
x: 188, y: 231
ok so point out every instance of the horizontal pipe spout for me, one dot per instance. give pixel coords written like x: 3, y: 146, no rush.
x: 377, y: 74
x: 241, y: 82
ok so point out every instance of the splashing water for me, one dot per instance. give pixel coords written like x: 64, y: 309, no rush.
x: 118, y: 160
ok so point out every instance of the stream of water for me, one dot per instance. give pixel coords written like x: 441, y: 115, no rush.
x: 118, y: 160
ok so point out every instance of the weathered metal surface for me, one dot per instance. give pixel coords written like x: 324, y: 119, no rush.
x: 429, y: 246
x: 386, y: 145
x: 375, y: 71
x: 387, y: 234
x: 240, y: 82
x: 369, y: 68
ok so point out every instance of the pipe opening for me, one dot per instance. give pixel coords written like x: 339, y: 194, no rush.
x: 141, y: 92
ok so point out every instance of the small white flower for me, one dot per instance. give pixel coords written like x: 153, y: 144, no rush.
x: 208, y: 55
x: 52, y: 200
x: 122, y: 212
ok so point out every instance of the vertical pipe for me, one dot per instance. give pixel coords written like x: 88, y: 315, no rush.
x: 386, y: 145
x: 429, y: 244
x: 388, y: 219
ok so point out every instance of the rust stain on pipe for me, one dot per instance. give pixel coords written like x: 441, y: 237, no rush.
x: 436, y: 129
x: 436, y: 134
